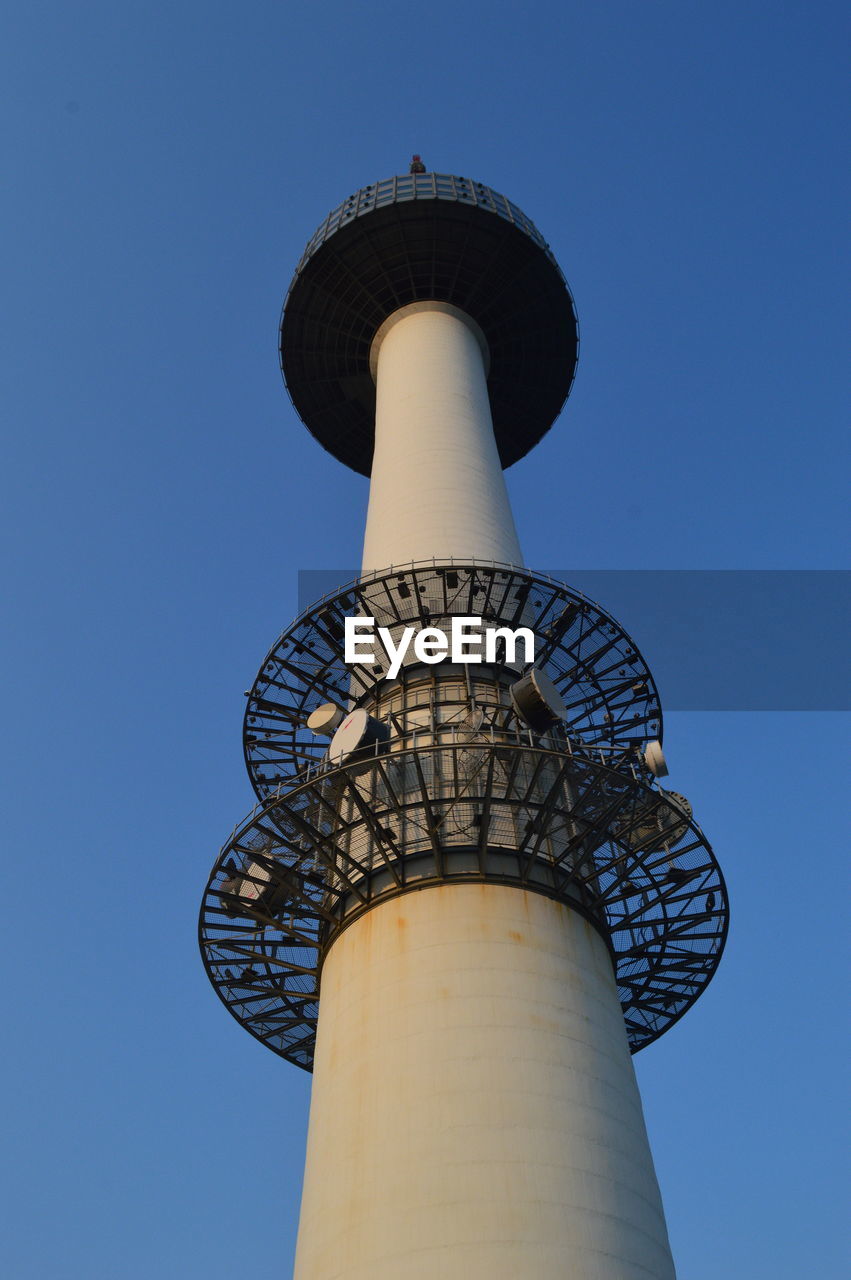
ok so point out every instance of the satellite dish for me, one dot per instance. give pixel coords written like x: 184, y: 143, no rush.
x: 684, y: 806
x: 658, y: 824
x: 654, y: 758
x: 356, y: 737
x: 256, y: 891
x: 537, y: 701
x: 325, y: 719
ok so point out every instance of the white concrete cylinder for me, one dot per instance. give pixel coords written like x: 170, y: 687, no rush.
x: 437, y: 489
x: 475, y: 1114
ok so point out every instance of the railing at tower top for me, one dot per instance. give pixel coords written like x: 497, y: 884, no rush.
x: 425, y: 186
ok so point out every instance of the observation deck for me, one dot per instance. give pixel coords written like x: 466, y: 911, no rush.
x: 417, y: 238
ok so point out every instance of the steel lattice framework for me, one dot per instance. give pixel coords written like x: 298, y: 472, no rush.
x: 577, y: 828
x: 607, y: 688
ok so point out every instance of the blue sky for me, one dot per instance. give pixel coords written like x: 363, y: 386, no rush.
x: 164, y: 166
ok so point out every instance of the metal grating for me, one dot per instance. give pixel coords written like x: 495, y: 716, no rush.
x: 597, y: 837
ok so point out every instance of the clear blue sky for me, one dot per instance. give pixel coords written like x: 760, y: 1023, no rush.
x: 163, y: 167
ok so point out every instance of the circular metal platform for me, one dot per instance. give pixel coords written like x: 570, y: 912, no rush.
x: 608, y: 691
x: 599, y: 838
x: 427, y: 237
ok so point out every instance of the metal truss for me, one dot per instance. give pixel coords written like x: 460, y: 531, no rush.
x: 584, y: 827
x: 609, y: 692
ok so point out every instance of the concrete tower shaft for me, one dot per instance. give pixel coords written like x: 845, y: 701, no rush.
x: 437, y: 490
x: 475, y: 1114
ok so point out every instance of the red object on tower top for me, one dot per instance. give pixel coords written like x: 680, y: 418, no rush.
x: 417, y: 165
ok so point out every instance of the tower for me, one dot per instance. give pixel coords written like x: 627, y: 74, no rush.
x: 463, y: 898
